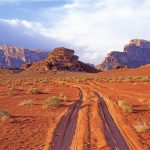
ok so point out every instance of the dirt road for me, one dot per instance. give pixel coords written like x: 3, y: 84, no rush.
x: 88, y: 125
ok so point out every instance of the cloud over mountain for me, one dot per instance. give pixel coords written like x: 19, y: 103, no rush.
x: 92, y: 28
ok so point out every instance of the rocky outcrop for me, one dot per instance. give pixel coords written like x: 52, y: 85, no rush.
x: 136, y: 53
x: 60, y: 59
x: 13, y: 57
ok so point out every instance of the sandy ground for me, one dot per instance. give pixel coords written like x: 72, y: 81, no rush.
x: 90, y: 118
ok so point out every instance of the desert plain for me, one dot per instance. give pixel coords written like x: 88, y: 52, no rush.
x: 76, y: 111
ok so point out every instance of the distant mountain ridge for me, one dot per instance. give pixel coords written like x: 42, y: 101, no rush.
x: 136, y: 53
x: 14, y: 57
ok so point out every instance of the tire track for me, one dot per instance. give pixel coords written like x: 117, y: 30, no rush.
x: 125, y: 130
x: 65, y: 130
x: 89, y: 133
x: 111, y: 131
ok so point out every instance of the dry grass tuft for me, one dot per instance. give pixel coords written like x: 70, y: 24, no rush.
x: 124, y: 106
x: 4, y: 115
x: 33, y: 91
x: 53, y: 101
x: 141, y: 127
x: 63, y: 97
x: 26, y: 102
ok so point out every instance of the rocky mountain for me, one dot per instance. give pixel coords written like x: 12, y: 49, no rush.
x: 136, y: 53
x: 60, y: 59
x: 14, y: 57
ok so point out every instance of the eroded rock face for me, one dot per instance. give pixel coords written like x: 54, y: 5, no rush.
x: 14, y: 57
x: 136, y: 53
x: 60, y: 59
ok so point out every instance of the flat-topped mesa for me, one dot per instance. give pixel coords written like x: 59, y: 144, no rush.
x: 60, y: 59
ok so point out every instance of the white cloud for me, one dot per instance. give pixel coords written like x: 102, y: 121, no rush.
x: 100, y: 26
x: 92, y: 27
x: 26, y: 34
x: 16, y: 22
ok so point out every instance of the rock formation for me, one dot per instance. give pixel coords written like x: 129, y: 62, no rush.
x: 13, y: 57
x: 60, y: 59
x: 136, y: 53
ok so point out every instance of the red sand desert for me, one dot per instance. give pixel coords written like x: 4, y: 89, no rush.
x: 101, y: 111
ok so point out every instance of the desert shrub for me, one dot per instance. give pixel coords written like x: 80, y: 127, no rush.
x: 112, y: 80
x: 4, y: 115
x: 126, y: 80
x: 63, y: 97
x: 53, y: 101
x: 144, y: 78
x: 148, y: 103
x: 48, y: 90
x: 124, y: 106
x: 141, y: 127
x: 81, y: 79
x: 96, y: 78
x: 136, y: 77
x: 77, y: 80
x: 33, y: 91
x: 11, y: 90
x: 141, y: 100
x: 26, y: 102
x: 62, y: 84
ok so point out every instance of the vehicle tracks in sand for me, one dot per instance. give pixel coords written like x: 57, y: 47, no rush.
x: 111, y: 131
x: 127, y: 134
x: 89, y: 133
x: 88, y: 125
x: 65, y: 129
x: 113, y: 137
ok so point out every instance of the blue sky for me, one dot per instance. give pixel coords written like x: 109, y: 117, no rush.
x: 92, y: 28
x: 27, y: 9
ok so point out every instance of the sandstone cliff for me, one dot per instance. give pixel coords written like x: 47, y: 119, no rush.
x: 14, y: 57
x: 60, y: 59
x: 136, y: 53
